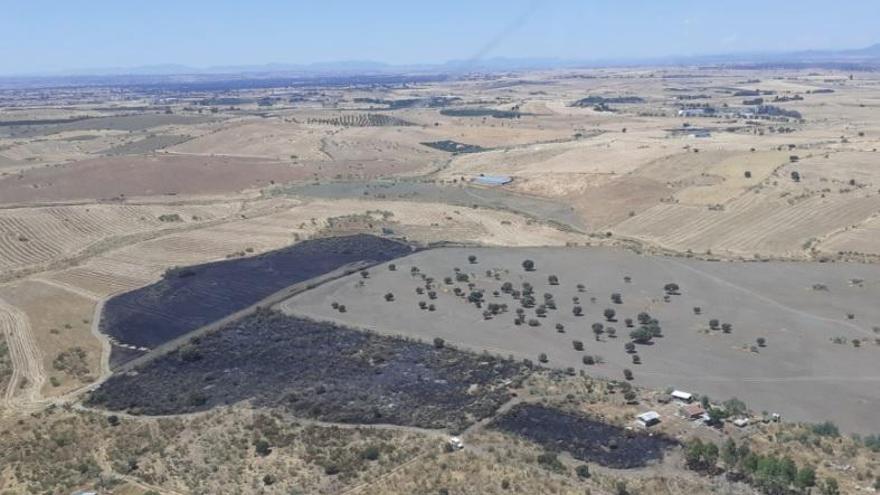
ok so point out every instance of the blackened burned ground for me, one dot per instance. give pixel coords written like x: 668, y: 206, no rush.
x: 317, y: 370
x: 582, y: 437
x: 189, y: 298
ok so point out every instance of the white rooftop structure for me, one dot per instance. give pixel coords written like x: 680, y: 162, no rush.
x: 648, y: 418
x: 683, y: 396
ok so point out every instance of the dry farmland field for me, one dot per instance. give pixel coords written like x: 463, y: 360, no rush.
x: 182, y: 306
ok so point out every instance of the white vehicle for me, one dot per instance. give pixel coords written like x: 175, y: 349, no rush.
x: 456, y: 443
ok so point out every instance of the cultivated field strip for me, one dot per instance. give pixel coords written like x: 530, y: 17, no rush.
x: 750, y: 224
x: 864, y: 239
x: 27, y: 371
x: 31, y: 236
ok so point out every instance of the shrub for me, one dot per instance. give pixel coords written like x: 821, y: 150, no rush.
x: 371, y: 453
x: 583, y: 471
x: 262, y: 448
x: 826, y: 429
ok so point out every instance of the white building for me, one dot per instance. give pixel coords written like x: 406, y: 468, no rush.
x: 649, y: 418
x: 682, y: 396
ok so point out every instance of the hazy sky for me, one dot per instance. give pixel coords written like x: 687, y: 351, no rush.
x: 42, y: 35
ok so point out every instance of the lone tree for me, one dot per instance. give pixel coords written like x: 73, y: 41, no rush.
x: 578, y: 345
x: 671, y: 288
x: 589, y: 360
x: 560, y: 328
x: 365, y: 274
x: 628, y: 322
x: 611, y: 331
x: 581, y: 287
x: 609, y: 314
x: 713, y: 324
x: 542, y: 358
x: 598, y: 328
x: 762, y: 342
x: 641, y: 335
x: 795, y: 176
x: 389, y: 297
x: 630, y: 347
x: 392, y: 267
x: 528, y: 265
x: 636, y: 359
x: 553, y: 280
x: 628, y: 374
x: 616, y: 298
x: 472, y: 259
x: 439, y: 343
x: 726, y: 327
x: 577, y: 311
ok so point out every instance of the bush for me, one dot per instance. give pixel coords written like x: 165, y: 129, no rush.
x: 583, y: 471
x: 548, y: 460
x: 262, y: 448
x: 826, y: 429
x: 371, y: 453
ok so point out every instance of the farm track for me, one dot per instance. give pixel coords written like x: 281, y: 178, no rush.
x: 26, y: 357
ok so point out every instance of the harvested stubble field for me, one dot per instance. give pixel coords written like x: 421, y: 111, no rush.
x: 59, y: 324
x: 40, y: 236
x: 317, y: 370
x: 818, y: 321
x: 190, y: 297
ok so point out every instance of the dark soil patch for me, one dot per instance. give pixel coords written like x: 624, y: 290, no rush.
x: 318, y: 370
x: 189, y: 298
x: 481, y: 112
x: 584, y: 438
x: 454, y: 146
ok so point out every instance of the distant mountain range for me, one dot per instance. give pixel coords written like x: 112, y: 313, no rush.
x: 861, y: 58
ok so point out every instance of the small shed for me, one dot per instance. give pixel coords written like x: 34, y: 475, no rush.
x: 492, y: 180
x: 682, y: 396
x: 648, y: 418
x: 693, y: 411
